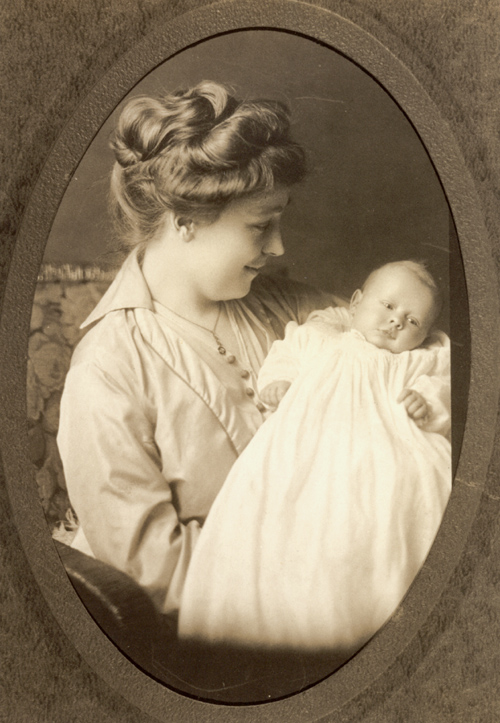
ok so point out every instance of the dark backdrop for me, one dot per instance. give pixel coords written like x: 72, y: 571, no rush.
x: 372, y: 194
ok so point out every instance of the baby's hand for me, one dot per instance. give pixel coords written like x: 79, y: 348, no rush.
x: 274, y: 393
x: 415, y: 405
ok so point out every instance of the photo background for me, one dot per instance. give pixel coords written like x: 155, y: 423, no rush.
x: 372, y: 194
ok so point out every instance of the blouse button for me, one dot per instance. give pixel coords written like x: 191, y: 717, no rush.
x: 249, y: 391
x: 245, y: 374
x: 231, y: 359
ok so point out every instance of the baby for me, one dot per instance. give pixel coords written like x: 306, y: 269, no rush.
x: 394, y: 310
x: 329, y: 513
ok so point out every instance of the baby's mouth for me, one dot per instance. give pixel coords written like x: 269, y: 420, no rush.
x: 390, y: 333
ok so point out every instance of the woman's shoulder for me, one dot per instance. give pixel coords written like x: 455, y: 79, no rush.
x: 433, y: 357
x: 438, y: 342
x: 110, y: 343
x: 438, y: 339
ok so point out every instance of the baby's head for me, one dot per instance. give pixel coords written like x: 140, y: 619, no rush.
x: 397, y: 306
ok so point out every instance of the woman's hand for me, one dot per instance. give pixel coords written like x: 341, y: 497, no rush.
x: 274, y: 393
x: 415, y: 405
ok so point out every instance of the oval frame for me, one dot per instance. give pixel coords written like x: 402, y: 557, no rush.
x: 358, y: 46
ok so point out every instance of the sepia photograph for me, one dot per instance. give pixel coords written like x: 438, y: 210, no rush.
x: 322, y: 266
x: 250, y: 381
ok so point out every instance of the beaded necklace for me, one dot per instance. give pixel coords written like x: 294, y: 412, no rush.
x: 230, y: 358
x: 220, y: 346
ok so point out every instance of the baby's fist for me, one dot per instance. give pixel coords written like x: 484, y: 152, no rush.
x: 415, y: 405
x: 273, y: 393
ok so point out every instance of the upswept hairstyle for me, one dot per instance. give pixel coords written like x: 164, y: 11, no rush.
x: 420, y: 270
x: 192, y: 152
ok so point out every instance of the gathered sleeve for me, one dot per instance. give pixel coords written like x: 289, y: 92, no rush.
x: 301, y: 344
x: 116, y: 485
x: 435, y: 386
x: 284, y: 360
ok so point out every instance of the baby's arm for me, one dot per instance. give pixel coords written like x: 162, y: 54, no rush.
x: 283, y: 363
x: 415, y: 405
x: 287, y: 357
x: 273, y: 393
x: 427, y: 399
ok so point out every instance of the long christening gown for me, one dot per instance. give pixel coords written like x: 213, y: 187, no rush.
x: 330, y: 511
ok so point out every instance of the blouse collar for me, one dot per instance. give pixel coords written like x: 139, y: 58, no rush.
x: 128, y: 290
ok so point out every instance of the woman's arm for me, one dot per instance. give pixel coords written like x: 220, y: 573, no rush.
x: 286, y: 300
x: 116, y: 485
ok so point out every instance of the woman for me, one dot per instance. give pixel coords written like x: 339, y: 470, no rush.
x: 161, y: 397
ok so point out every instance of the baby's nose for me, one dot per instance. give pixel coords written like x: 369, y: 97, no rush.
x: 397, y: 321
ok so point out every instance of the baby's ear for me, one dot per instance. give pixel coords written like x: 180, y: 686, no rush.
x: 355, y: 299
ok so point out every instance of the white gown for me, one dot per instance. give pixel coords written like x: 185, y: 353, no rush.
x: 330, y: 511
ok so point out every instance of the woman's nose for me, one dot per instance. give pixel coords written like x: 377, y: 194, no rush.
x: 274, y: 244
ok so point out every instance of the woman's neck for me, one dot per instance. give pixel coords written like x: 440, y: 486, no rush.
x: 168, y: 286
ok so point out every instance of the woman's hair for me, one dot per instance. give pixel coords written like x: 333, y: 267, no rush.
x: 420, y: 270
x: 192, y: 152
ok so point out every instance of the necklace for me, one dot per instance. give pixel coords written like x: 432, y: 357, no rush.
x: 220, y: 346
x: 230, y: 358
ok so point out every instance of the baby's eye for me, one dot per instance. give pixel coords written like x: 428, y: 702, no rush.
x: 387, y: 305
x: 414, y: 322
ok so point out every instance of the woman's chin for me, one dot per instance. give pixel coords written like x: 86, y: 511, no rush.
x: 250, y: 271
x: 239, y: 288
x: 246, y: 283
x: 238, y: 292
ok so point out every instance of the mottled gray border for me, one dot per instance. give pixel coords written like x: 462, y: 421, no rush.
x: 342, y: 35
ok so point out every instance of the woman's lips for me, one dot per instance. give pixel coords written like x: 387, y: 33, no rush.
x: 254, y: 268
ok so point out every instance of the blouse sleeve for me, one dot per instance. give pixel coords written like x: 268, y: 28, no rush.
x: 435, y: 387
x: 305, y: 299
x: 281, y: 300
x: 115, y: 483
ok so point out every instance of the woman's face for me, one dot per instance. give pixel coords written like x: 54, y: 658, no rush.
x: 225, y: 256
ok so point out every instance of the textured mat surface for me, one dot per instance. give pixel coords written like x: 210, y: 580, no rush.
x: 52, y: 54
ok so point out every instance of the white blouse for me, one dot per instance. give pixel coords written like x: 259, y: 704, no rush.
x: 153, y: 418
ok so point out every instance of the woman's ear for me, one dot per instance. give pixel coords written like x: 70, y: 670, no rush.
x: 355, y: 299
x: 184, y: 227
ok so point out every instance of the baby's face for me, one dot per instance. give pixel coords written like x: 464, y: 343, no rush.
x: 394, y: 311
